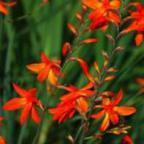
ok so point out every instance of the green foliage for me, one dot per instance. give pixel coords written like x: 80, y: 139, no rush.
x: 30, y: 29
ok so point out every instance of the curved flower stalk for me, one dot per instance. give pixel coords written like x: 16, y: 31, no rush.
x: 4, y: 5
x: 28, y: 102
x: 137, y: 23
x: 103, y: 12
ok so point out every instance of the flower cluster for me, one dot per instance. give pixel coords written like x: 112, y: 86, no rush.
x: 91, y: 102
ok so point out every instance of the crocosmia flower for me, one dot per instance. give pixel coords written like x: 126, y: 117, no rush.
x: 74, y: 100
x: 111, y: 111
x: 46, y: 69
x: 4, y: 5
x: 137, y: 23
x: 103, y: 12
x: 27, y: 101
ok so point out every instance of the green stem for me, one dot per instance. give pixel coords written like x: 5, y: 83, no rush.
x: 76, y: 45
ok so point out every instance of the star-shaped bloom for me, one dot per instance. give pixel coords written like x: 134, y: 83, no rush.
x: 137, y: 23
x: 103, y: 12
x: 111, y: 111
x: 74, y: 100
x: 27, y: 101
x: 46, y: 69
x: 4, y: 5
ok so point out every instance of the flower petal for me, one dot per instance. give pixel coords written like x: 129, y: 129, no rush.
x: 14, y: 104
x: 25, y: 113
x: 44, y: 58
x: 36, y: 67
x: 124, y: 111
x: 114, y: 118
x: 118, y: 97
x: 43, y: 74
x: 82, y: 105
x: 3, y: 9
x: 84, y: 66
x: 139, y: 38
x: 98, y: 115
x: 35, y: 116
x: 19, y: 90
x: 106, y: 122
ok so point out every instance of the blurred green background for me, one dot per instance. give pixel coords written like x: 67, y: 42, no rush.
x: 30, y: 29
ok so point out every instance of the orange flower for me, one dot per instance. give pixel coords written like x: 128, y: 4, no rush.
x: 137, y: 23
x: 3, y: 6
x: 111, y: 111
x: 74, y: 100
x: 27, y: 102
x: 2, y: 140
x: 46, y: 69
x: 104, y: 11
x: 127, y: 140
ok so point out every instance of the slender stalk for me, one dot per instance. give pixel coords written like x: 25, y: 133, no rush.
x: 7, y: 77
x: 75, y: 47
x: 97, y: 88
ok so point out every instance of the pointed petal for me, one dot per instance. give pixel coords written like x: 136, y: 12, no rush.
x: 3, y: 9
x: 114, y: 118
x: 19, y: 90
x: 66, y: 48
x: 35, y: 116
x: 98, y: 115
x: 115, y: 4
x: 93, y: 4
x: 82, y: 105
x: 44, y: 58
x: 84, y: 66
x: 139, y: 38
x: 124, y: 111
x: 88, y: 86
x: 14, y: 104
x: 36, y: 67
x: 25, y: 113
x: 52, y: 77
x: 33, y: 91
x: 43, y: 74
x: 106, y: 122
x: 118, y: 97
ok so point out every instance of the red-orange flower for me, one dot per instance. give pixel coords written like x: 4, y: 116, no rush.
x: 137, y: 23
x: 104, y: 11
x: 46, y: 69
x: 111, y: 111
x: 4, y: 5
x: 127, y: 140
x: 2, y: 140
x: 27, y: 102
x: 74, y: 100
